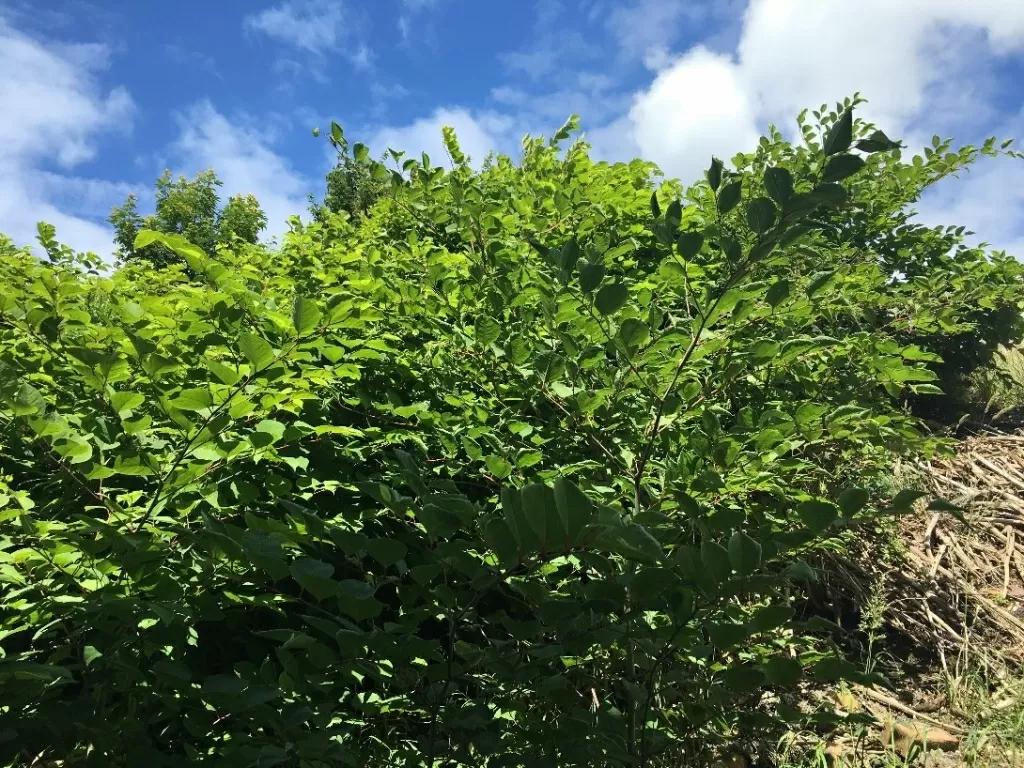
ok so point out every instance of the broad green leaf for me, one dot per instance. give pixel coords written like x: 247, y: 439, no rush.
x: 305, y: 316
x: 817, y: 515
x: 574, y: 508
x: 611, y: 298
x: 726, y: 635
x: 689, y: 244
x: 744, y: 553
x: 818, y: 281
x: 729, y: 197
x: 498, y: 466
x: 225, y: 373
x: 778, y: 182
x: 743, y: 678
x: 782, y: 670
x: 486, y: 331
x: 761, y: 214
x: 591, y: 276
x: 256, y: 350
x: 778, y: 292
x: 841, y: 167
x: 28, y: 401
x: 716, y: 561
x: 314, y: 576
x: 852, y: 500
x: 877, y: 142
x: 770, y: 617
x: 840, y: 134
x: 830, y: 194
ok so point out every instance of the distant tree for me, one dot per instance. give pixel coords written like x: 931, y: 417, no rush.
x: 350, y: 185
x: 189, y: 208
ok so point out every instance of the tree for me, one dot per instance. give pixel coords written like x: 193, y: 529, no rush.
x: 350, y: 184
x: 190, y: 209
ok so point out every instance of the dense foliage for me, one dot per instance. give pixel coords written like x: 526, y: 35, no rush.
x: 188, y: 208
x: 523, y: 467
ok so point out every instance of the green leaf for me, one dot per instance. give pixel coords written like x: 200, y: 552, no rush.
x: 386, y: 551
x: 782, y: 671
x: 770, y: 617
x: 817, y: 515
x: 486, y: 330
x: 591, y: 276
x: 877, y: 142
x: 818, y: 281
x: 842, y: 167
x: 256, y: 350
x: 90, y: 654
x: 575, y: 509
x: 28, y: 401
x: 611, y: 298
x: 852, y: 500
x: 761, y: 214
x: 716, y: 561
x: 727, y: 635
x: 499, y: 537
x: 314, y: 576
x: 743, y: 678
x: 778, y: 293
x: 633, y: 333
x: 778, y: 183
x: 655, y: 207
x: 714, y: 173
x: 729, y: 197
x: 840, y: 135
x: 498, y: 466
x: 360, y: 152
x: 830, y: 194
x: 225, y: 373
x: 147, y: 237
x: 904, y: 501
x: 305, y: 315
x: 744, y: 553
x: 689, y: 244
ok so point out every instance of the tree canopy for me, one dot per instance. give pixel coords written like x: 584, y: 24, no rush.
x: 190, y: 209
x: 524, y: 466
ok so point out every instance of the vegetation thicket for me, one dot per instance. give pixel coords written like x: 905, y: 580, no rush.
x: 522, y: 465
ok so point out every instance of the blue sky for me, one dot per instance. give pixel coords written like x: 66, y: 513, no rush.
x: 97, y: 98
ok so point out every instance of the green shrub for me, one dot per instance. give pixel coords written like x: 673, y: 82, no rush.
x: 518, y: 469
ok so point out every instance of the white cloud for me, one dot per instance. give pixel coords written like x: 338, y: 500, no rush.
x: 478, y: 135
x: 244, y: 160
x: 694, y: 109
x: 54, y: 114
x: 318, y: 27
x: 313, y: 25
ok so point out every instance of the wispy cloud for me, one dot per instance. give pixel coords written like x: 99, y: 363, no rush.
x: 316, y: 27
x: 410, y: 11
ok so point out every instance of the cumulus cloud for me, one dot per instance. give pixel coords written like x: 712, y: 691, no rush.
x: 798, y: 53
x: 244, y: 160
x: 54, y: 115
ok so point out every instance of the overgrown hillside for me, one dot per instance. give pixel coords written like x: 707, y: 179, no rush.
x: 517, y: 466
